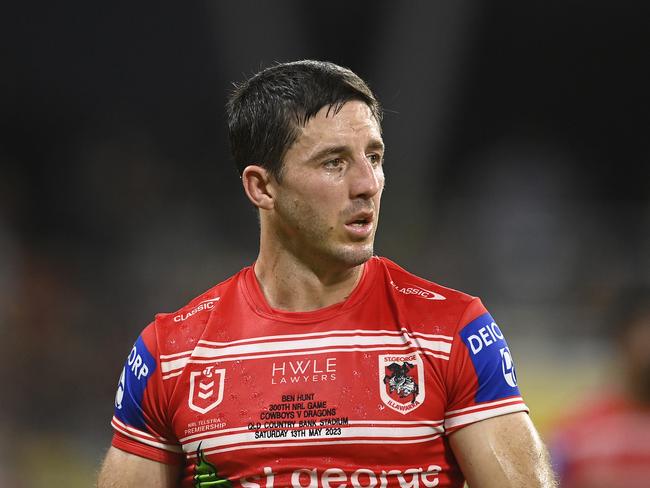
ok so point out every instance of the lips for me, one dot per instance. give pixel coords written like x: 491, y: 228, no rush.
x: 360, y: 224
x: 360, y: 218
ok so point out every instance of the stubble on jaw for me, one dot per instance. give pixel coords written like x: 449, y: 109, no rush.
x: 312, y: 240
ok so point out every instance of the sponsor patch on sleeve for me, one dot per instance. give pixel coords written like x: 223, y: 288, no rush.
x: 139, y: 367
x: 492, y: 360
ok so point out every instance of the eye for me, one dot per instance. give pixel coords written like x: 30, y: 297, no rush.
x: 333, y: 163
x: 375, y: 159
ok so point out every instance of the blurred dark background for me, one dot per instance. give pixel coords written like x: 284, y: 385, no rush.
x: 517, y: 170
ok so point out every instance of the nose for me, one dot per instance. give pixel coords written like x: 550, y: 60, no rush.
x: 366, y: 179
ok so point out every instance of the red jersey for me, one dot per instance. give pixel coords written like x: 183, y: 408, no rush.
x: 605, y: 444
x: 362, y: 393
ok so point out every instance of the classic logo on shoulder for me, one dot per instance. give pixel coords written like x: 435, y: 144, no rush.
x: 418, y: 292
x: 401, y: 381
x: 206, y: 389
x: 202, y: 306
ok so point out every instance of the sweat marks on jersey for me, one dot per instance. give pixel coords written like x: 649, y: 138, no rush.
x: 401, y: 381
x: 491, y: 358
x: 139, y: 367
x: 206, y: 474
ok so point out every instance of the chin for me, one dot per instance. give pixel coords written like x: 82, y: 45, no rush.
x: 356, y: 256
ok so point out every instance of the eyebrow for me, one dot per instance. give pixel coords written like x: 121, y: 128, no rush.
x: 375, y: 145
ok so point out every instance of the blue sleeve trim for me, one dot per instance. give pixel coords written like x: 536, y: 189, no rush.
x: 491, y: 358
x: 139, y: 367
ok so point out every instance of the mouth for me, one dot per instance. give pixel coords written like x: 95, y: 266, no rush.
x: 361, y: 224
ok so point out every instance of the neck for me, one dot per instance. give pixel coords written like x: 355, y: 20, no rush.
x: 295, y: 286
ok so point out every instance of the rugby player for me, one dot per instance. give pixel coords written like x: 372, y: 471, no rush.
x: 321, y: 365
x: 616, y: 454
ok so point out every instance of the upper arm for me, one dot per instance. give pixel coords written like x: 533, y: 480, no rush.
x: 124, y: 470
x: 145, y: 451
x: 503, y: 452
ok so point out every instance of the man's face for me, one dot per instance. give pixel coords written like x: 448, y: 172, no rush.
x: 326, y: 206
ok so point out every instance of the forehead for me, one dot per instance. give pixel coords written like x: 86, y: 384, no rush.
x: 353, y: 124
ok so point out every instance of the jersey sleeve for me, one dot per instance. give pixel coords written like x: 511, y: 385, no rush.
x: 139, y: 419
x: 481, y: 380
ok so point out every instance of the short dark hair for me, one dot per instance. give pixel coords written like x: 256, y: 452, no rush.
x: 266, y: 111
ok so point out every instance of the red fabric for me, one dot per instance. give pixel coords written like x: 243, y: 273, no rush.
x: 143, y: 450
x: 604, y: 443
x: 362, y: 392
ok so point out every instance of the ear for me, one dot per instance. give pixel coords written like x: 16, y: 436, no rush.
x: 258, y: 188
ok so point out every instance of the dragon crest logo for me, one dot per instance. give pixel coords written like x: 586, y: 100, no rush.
x: 401, y: 381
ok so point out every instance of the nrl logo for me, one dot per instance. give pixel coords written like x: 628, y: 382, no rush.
x: 401, y: 381
x: 206, y: 389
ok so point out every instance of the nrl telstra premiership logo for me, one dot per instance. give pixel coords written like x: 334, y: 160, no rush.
x: 206, y: 389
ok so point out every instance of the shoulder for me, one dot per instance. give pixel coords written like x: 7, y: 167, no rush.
x: 412, y: 284
x: 179, y: 331
x: 416, y: 296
